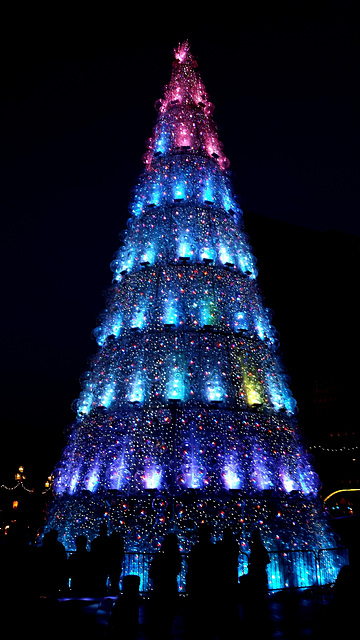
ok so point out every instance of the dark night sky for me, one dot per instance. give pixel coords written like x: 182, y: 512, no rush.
x: 77, y: 105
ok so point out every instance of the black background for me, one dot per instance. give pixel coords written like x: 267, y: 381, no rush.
x: 76, y: 107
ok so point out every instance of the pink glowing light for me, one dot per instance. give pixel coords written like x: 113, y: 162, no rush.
x: 176, y: 95
x: 183, y: 136
x: 181, y: 52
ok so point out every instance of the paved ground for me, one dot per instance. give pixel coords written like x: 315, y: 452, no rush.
x: 287, y: 616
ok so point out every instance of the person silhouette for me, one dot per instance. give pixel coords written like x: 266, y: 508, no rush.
x: 165, y: 567
x: 100, y: 553
x: 116, y: 557
x: 254, y: 592
x: 258, y: 561
x: 80, y: 568
x: 227, y: 551
x: 200, y: 576
x: 164, y: 570
x: 200, y: 563
x: 52, y: 565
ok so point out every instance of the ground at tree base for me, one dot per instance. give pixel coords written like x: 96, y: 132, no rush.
x: 286, y: 615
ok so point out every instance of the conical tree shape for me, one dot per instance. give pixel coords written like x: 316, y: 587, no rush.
x: 186, y: 414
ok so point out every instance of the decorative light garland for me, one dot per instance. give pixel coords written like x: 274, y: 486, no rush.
x: 333, y: 449
x: 339, y: 491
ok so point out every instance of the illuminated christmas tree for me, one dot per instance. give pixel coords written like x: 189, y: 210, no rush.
x: 186, y: 414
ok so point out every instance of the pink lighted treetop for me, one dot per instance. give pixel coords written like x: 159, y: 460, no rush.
x: 185, y: 114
